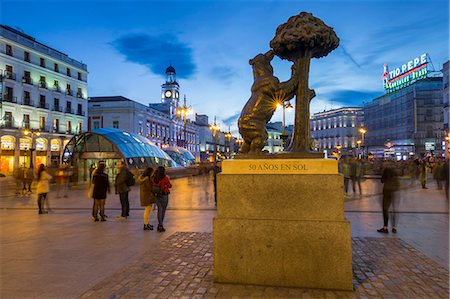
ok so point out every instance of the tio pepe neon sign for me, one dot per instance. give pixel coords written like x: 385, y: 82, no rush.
x: 405, y: 75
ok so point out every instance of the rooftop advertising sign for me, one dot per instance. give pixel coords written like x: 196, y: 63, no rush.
x: 405, y: 75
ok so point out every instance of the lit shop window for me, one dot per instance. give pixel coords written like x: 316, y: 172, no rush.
x: 55, y: 145
x: 41, y: 144
x: 24, y: 143
x: 8, y: 142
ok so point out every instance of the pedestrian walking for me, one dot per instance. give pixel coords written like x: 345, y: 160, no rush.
x: 423, y: 173
x: 124, y: 179
x: 346, y: 171
x: 161, y: 181
x: 18, y: 175
x: 216, y: 170
x: 146, y: 195
x: 28, y: 176
x: 446, y: 178
x: 356, y: 174
x: 100, y: 183
x: 42, y: 188
x: 438, y: 173
x: 390, y: 186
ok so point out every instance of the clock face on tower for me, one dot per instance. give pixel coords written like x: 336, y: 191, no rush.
x: 168, y: 94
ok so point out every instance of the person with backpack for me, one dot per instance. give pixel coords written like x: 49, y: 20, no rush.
x: 100, y: 185
x: 162, y: 183
x: 124, y: 179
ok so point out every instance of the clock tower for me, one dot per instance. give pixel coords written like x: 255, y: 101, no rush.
x: 171, y: 90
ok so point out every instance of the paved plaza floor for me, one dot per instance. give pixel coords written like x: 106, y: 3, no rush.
x: 64, y: 254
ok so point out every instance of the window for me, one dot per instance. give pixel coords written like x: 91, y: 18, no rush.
x: 79, y: 109
x: 41, y: 101
x: 79, y: 93
x: 26, y: 98
x: 26, y: 56
x: 96, y: 124
x: 79, y: 128
x: 69, y: 107
x: 9, y: 94
x: 56, y: 86
x: 56, y: 67
x: 56, y: 104
x: 26, y: 77
x: 42, y: 123
x: 9, y: 72
x: 8, y: 119
x: 42, y: 62
x: 68, y: 89
x: 9, y: 50
x: 68, y: 72
x: 79, y: 76
x: 26, y: 121
x: 56, y: 125
x: 69, y: 127
x: 42, y: 82
x: 116, y: 124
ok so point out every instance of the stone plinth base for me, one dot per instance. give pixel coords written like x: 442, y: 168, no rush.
x: 282, y: 224
x: 310, y: 254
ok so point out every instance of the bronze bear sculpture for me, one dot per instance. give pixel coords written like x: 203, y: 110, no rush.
x: 267, y: 91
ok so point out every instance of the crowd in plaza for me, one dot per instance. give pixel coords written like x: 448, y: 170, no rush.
x: 391, y: 173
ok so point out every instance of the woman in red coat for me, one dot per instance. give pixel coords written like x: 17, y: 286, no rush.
x: 162, y: 196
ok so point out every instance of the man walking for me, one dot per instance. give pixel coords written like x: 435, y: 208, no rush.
x: 124, y: 179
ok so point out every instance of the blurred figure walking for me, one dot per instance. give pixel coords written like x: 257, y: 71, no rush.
x: 356, y: 174
x: 28, y: 176
x: 100, y: 182
x: 42, y: 188
x: 438, y: 173
x: 347, y: 172
x: 423, y: 173
x: 162, y: 196
x: 124, y: 179
x: 146, y: 195
x: 390, y: 186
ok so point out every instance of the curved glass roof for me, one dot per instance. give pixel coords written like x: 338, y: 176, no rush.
x: 134, y: 149
x: 181, y: 155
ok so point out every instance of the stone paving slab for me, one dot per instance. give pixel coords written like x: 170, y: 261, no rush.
x: 182, y: 268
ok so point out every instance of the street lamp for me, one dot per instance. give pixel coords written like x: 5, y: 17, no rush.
x: 215, y: 128
x: 363, y: 131
x: 183, y: 112
x: 338, y: 147
x: 228, y: 136
x: 32, y: 133
x: 285, y: 107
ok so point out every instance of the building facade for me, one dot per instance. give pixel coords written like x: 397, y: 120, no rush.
x: 337, y: 129
x: 406, y: 122
x: 446, y: 96
x: 43, y: 101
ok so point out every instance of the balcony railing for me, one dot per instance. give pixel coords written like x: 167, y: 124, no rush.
x: 10, y: 99
x: 80, y: 95
x: 82, y: 113
x: 27, y: 80
x: 43, y: 105
x: 57, y: 108
x: 8, y: 124
x: 56, y: 88
x: 44, y: 128
x: 69, y: 92
x: 28, y: 102
x: 43, y: 84
x: 10, y: 75
x: 69, y: 110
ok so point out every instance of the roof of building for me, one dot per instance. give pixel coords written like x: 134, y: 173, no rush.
x: 109, y: 99
x: 170, y: 69
x: 135, y: 149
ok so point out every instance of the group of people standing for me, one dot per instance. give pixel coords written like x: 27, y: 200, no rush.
x: 154, y: 188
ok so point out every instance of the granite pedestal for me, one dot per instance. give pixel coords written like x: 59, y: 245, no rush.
x: 281, y: 223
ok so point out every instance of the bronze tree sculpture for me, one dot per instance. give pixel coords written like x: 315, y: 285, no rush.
x: 298, y: 40
x: 267, y: 91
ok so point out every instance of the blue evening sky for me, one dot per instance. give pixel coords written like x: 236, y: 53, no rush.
x: 127, y: 45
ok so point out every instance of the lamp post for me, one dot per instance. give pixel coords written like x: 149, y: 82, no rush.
x: 338, y: 147
x: 228, y: 136
x: 214, y: 128
x: 183, y: 112
x: 363, y: 131
x: 32, y: 133
x: 285, y: 107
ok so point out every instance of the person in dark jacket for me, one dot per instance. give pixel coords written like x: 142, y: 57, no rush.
x: 100, y: 181
x: 390, y: 186
x: 161, y: 181
x: 122, y: 188
x: 146, y: 196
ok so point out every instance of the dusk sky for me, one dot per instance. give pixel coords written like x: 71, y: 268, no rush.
x: 127, y: 45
